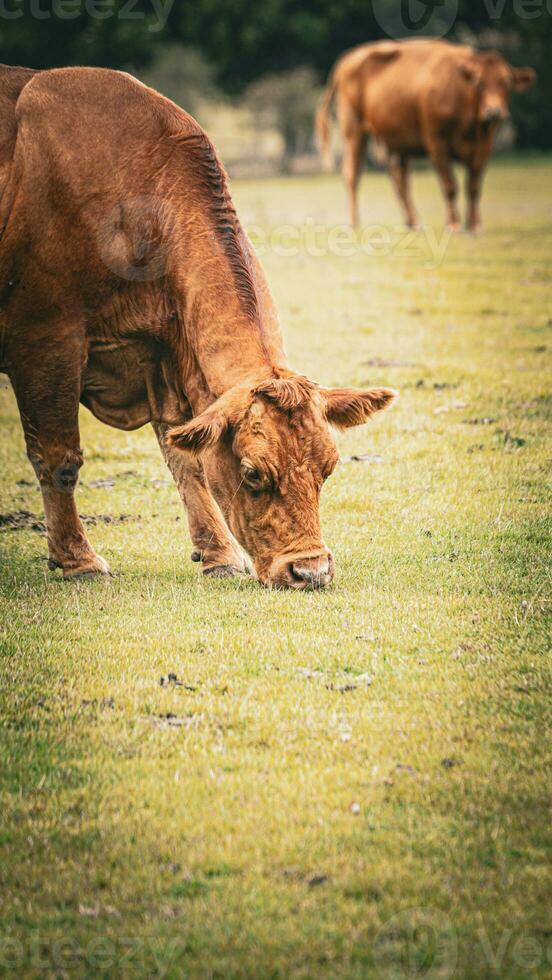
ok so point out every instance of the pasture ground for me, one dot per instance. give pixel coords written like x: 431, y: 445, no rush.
x: 354, y: 784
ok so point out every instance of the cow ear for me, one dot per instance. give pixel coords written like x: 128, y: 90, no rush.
x: 345, y: 407
x: 201, y: 432
x: 523, y: 78
x: 472, y: 69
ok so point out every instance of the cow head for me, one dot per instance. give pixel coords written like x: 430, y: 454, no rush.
x: 494, y: 79
x: 267, y: 451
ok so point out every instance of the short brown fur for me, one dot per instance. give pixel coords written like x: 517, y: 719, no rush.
x: 128, y: 284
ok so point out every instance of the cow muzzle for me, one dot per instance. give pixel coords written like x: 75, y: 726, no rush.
x: 302, y: 571
x: 494, y: 114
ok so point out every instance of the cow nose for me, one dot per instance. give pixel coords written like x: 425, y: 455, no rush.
x: 494, y: 113
x: 311, y: 573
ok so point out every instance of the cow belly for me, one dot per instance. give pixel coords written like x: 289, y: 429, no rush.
x: 395, y: 122
x: 401, y: 140
x: 127, y: 384
x: 411, y: 144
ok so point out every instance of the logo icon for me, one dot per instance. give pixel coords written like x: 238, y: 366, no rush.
x: 131, y: 240
x: 420, y: 23
x: 413, y: 18
x: 416, y: 944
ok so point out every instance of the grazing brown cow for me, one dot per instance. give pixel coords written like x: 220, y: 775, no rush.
x: 421, y: 98
x: 128, y: 284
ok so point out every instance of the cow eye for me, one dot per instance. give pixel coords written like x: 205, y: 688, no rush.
x: 252, y: 477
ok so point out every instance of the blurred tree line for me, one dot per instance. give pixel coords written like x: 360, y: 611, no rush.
x: 244, y: 41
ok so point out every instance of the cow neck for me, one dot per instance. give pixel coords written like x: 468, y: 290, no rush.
x: 229, y: 319
x: 233, y: 336
x: 228, y: 350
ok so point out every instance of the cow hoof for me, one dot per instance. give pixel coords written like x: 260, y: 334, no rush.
x: 94, y: 568
x: 222, y: 571
x: 474, y: 230
x: 454, y: 226
x: 239, y: 563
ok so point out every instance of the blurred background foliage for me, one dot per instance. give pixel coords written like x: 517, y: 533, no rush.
x: 261, y: 65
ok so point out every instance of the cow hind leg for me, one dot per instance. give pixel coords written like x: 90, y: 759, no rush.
x: 47, y: 388
x: 399, y: 170
x: 353, y: 154
x: 213, y: 544
x: 352, y: 165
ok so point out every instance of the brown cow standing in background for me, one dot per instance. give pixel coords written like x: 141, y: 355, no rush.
x: 128, y: 284
x: 421, y: 98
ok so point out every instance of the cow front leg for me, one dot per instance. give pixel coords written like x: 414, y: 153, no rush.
x: 440, y: 158
x: 47, y: 390
x: 474, y: 181
x: 68, y: 545
x: 213, y: 544
x: 399, y: 171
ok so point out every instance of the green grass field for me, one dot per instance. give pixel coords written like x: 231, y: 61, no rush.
x: 353, y: 784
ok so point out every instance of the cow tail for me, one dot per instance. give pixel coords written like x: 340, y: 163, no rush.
x: 323, y: 118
